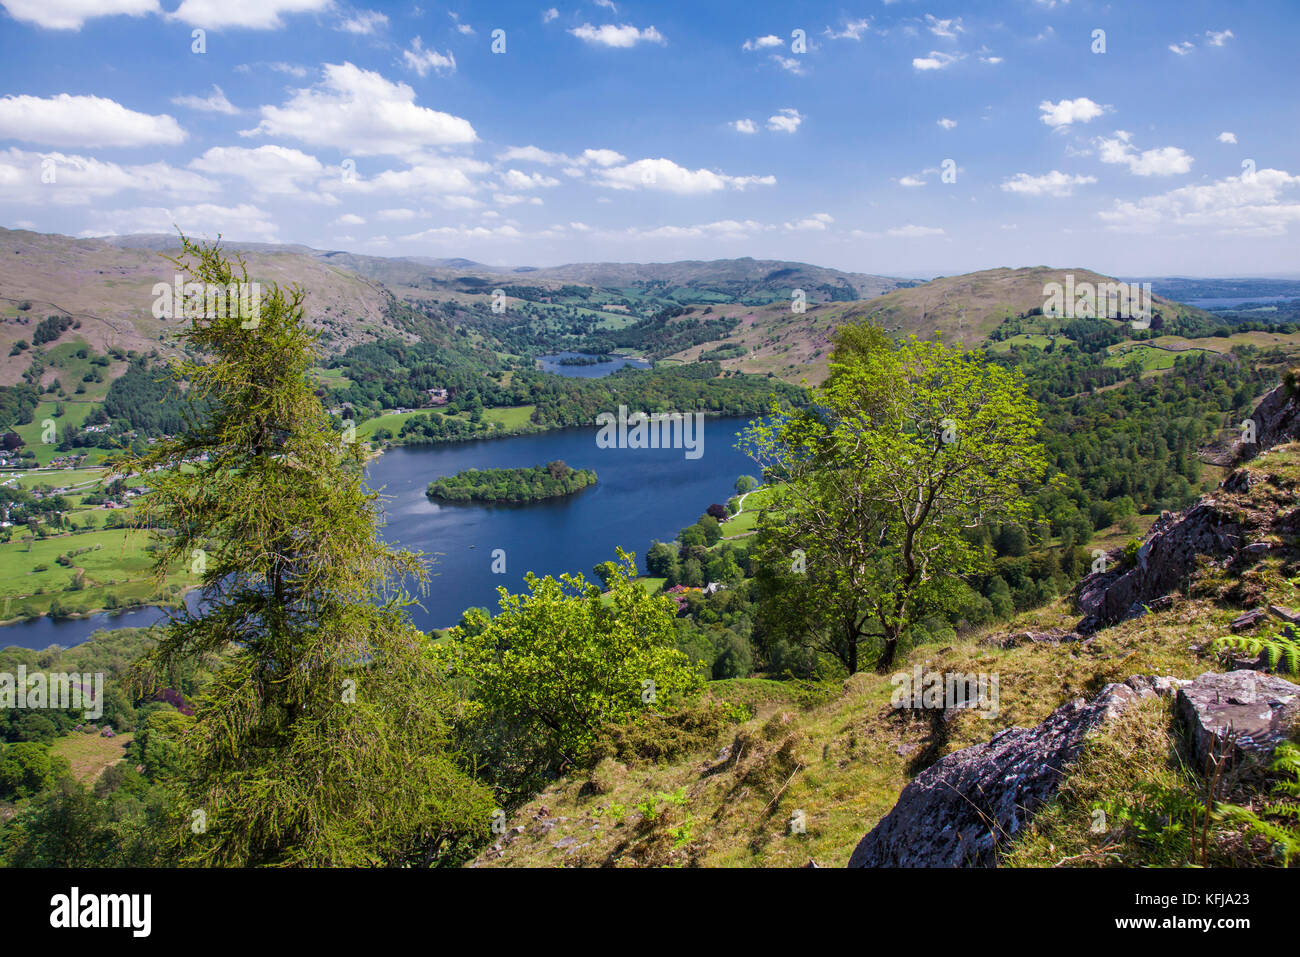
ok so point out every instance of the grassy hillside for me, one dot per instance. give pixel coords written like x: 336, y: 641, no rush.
x: 836, y: 755
x: 959, y: 309
x: 107, y: 288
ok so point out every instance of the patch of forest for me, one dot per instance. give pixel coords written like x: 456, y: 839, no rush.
x: 514, y: 486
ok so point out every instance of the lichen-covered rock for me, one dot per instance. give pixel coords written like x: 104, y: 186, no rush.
x: 957, y: 812
x: 1258, y: 709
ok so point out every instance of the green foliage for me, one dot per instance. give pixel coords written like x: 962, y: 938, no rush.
x: 324, y: 737
x: 1278, y: 648
x: 26, y: 767
x: 121, y: 824
x: 17, y: 403
x: 561, y: 663
x: 1278, y: 821
x: 535, y: 484
x: 903, y: 449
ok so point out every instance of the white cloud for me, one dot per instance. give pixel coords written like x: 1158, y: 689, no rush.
x: 608, y: 5
x: 532, y: 154
x: 947, y: 29
x: 513, y: 199
x: 459, y: 234
x: 83, y: 121
x: 1182, y: 49
x: 249, y: 14
x: 1054, y: 183
x: 946, y: 123
x: 1218, y: 38
x: 1226, y: 137
x: 1165, y: 161
x: 914, y: 232
x: 359, y: 112
x: 78, y: 180
x: 204, y: 220
x: 394, y: 215
x: 664, y: 174
x: 621, y: 36
x: 722, y: 229
x: 853, y: 30
x: 292, y: 69
x: 463, y: 28
x: 216, y: 102
x: 349, y: 219
x: 788, y: 63
x: 911, y: 181
x: 817, y: 222
x: 744, y: 126
x: 1248, y: 205
x: 937, y: 60
x: 549, y: 15
x: 516, y: 180
x: 422, y: 61
x: 427, y: 176
x: 1080, y: 110
x: 601, y: 157
x: 786, y: 120
x: 760, y: 43
x: 269, y: 170
x: 71, y: 14
x: 364, y: 22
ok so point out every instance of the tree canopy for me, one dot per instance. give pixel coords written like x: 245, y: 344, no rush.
x: 905, y: 447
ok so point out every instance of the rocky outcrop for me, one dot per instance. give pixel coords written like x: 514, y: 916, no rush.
x: 1276, y: 419
x: 1257, y: 710
x: 1245, y: 519
x: 961, y: 810
x: 1164, y: 562
x: 957, y: 812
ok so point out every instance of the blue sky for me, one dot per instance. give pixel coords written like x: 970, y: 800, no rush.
x: 905, y: 138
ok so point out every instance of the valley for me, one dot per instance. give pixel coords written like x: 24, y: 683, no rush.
x: 421, y: 367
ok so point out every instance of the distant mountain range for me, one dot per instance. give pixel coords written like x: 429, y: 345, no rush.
x: 106, y: 285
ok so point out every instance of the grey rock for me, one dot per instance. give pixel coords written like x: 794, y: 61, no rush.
x: 1248, y: 620
x: 1260, y: 709
x: 1286, y: 614
x: 958, y: 812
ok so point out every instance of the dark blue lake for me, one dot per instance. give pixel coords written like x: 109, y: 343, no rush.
x: 594, y: 371
x: 640, y: 494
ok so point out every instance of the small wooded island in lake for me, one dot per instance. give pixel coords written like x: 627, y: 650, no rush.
x: 552, y: 480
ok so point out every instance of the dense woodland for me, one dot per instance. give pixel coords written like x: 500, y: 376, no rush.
x: 512, y: 486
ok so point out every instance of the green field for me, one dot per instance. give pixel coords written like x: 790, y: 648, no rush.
x: 74, y: 413
x: 1024, y: 339
x: 117, y: 563
x: 1151, y: 357
x: 509, y: 417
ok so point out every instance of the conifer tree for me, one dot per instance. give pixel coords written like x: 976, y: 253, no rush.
x: 324, y: 737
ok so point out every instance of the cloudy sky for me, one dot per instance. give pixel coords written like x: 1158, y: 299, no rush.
x: 902, y: 137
